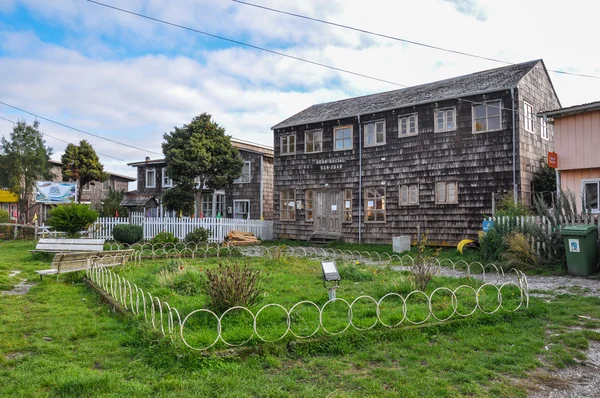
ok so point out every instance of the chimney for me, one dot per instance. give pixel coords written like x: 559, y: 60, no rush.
x: 147, y: 158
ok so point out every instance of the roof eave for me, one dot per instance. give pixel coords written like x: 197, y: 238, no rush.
x: 594, y: 106
x: 280, y: 126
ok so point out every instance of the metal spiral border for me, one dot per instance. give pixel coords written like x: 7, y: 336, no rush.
x: 167, y: 319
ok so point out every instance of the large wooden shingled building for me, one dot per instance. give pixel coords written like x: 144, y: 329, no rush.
x: 369, y: 168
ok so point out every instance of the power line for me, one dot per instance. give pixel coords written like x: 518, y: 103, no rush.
x: 79, y: 130
x: 66, y: 142
x: 400, y: 39
x: 247, y: 45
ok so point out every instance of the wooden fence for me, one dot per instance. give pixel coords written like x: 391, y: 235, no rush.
x: 520, y: 222
x: 180, y: 227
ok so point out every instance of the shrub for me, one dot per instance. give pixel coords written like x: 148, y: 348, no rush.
x: 163, y: 238
x: 231, y: 285
x: 128, y: 233
x: 3, y: 217
x: 72, y: 218
x: 188, y: 283
x: 519, y: 253
x: 199, y: 235
x: 354, y: 273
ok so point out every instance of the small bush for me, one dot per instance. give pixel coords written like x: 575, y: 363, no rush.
x: 199, y: 235
x: 188, y: 283
x: 422, y: 273
x: 3, y: 217
x: 231, y: 285
x: 72, y: 218
x: 163, y: 238
x: 128, y: 233
x: 354, y: 273
x: 519, y: 253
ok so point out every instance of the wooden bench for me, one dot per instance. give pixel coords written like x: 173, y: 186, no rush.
x: 78, y: 261
x: 68, y: 245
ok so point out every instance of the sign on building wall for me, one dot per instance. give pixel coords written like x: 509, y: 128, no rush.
x: 55, y: 192
x: 552, y: 160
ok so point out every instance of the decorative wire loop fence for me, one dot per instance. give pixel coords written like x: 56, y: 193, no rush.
x: 202, y: 328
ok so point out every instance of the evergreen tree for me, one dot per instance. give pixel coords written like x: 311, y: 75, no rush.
x: 25, y: 160
x: 198, y: 155
x: 544, y: 181
x: 81, y: 164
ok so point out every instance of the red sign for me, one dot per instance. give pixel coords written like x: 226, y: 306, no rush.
x: 552, y: 160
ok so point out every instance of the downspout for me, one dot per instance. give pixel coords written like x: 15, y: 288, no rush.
x: 261, y: 187
x: 359, y: 180
x: 514, y: 142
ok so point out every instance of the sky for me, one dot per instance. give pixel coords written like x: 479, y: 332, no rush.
x: 130, y: 80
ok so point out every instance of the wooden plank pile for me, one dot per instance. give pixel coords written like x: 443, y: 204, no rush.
x: 241, y: 238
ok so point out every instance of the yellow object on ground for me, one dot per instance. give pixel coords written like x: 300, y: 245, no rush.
x: 463, y: 243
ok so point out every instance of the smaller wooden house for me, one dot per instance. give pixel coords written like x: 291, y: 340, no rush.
x: 577, y: 146
x: 368, y: 168
x: 249, y: 197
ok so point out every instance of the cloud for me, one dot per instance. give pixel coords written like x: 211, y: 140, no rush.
x: 470, y: 7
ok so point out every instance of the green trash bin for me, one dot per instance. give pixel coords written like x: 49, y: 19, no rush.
x: 580, y: 244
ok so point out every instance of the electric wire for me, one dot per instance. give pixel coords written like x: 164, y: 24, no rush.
x: 67, y: 142
x: 369, y: 32
x: 247, y: 45
x: 79, y: 130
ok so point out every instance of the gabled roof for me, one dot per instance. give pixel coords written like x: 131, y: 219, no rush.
x: 241, y: 145
x: 136, y: 200
x: 476, y: 83
x: 571, y: 110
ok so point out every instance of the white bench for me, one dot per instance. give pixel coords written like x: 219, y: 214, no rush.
x: 78, y: 261
x: 68, y: 245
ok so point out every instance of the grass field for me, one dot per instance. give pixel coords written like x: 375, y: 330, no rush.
x: 61, y: 340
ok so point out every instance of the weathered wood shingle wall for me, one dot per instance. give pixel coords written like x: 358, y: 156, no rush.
x: 480, y: 163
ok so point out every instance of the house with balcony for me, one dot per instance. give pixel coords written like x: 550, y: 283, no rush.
x: 436, y: 155
x: 249, y: 197
x: 577, y: 143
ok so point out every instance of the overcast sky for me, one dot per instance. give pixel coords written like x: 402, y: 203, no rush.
x: 131, y: 79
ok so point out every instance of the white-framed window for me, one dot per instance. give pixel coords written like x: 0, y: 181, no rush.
x: 409, y: 194
x: 207, y: 205
x: 590, y: 190
x: 309, y: 200
x: 446, y: 192
x: 342, y: 138
x: 287, y: 204
x: 166, y: 180
x: 374, y: 133
x: 213, y: 204
x: 445, y: 120
x: 288, y: 144
x: 408, y: 125
x: 246, y: 173
x: 313, y: 141
x: 375, y: 204
x: 528, y: 116
x: 150, y: 178
x: 241, y: 209
x: 487, y: 116
x: 347, y: 205
x: 544, y: 128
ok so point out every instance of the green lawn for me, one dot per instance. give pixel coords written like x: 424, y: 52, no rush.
x: 61, y: 340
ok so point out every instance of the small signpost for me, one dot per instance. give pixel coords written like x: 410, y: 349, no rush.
x: 330, y: 274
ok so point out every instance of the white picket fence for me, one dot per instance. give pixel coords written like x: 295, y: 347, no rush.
x: 180, y: 227
x: 520, y: 222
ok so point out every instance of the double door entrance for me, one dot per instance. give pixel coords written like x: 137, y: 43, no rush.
x: 328, y: 212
